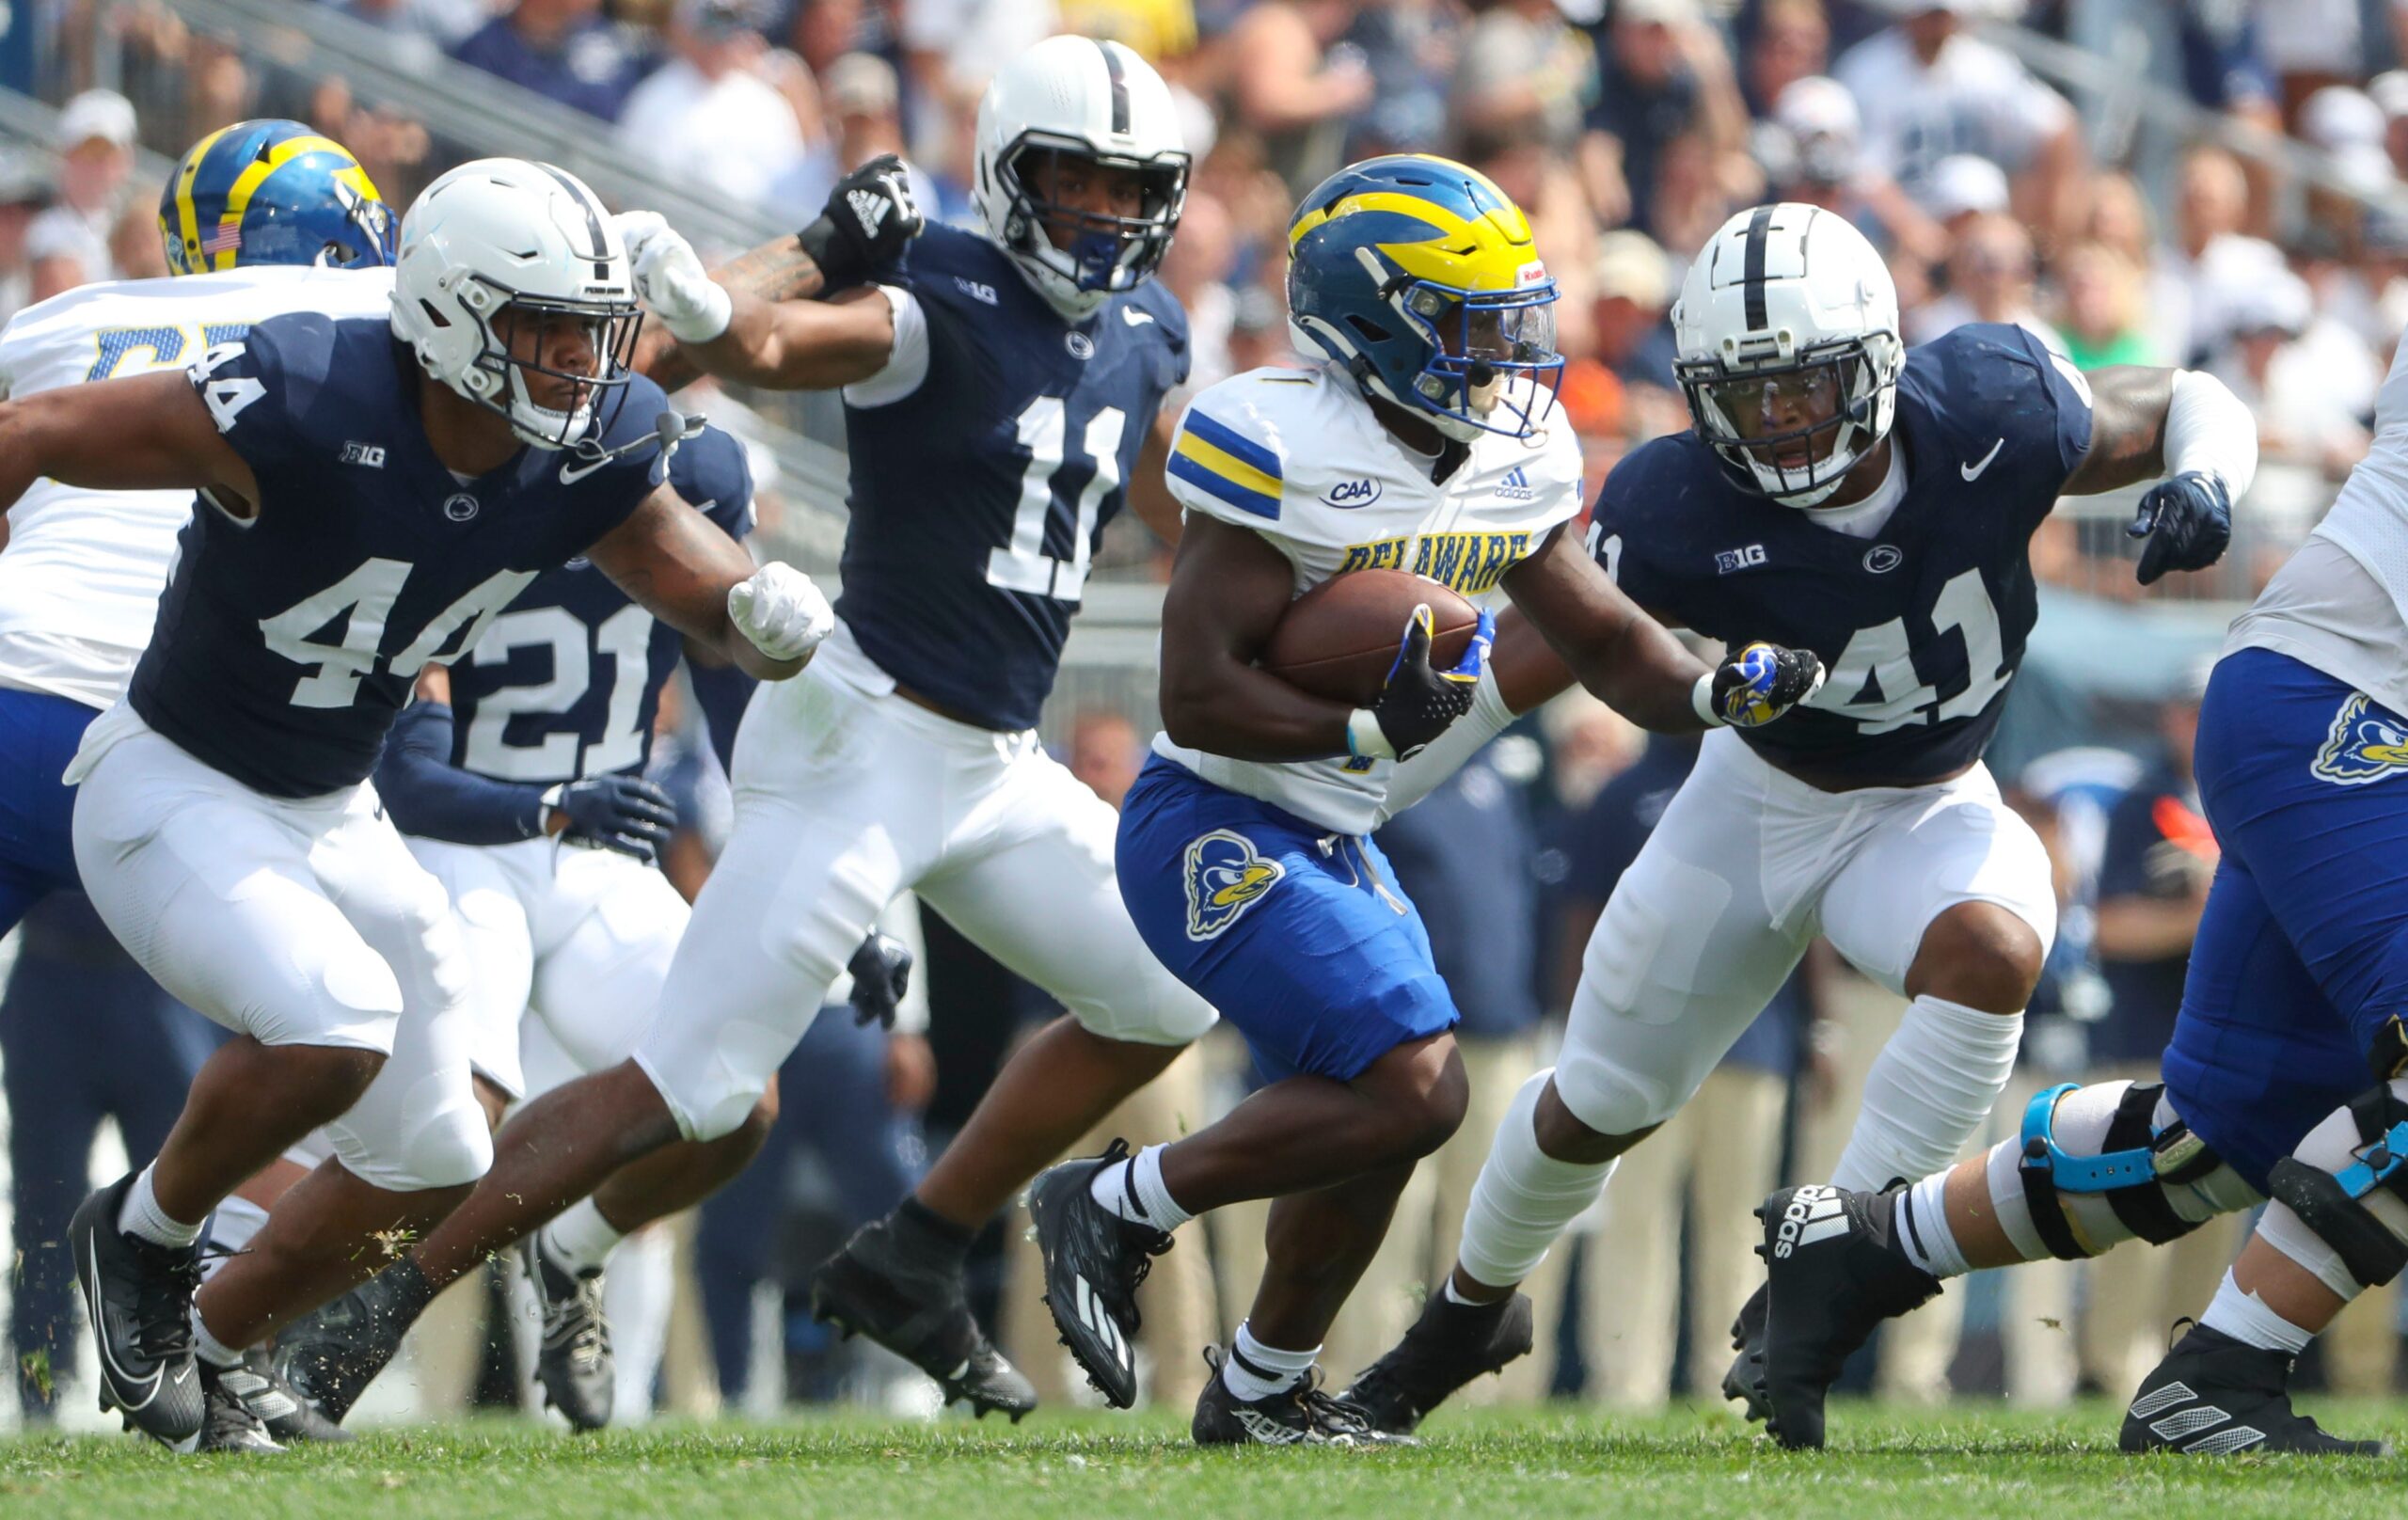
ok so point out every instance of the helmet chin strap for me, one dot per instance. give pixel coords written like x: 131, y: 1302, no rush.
x: 1482, y: 385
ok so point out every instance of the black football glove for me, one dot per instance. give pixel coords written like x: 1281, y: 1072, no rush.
x: 1418, y: 702
x: 1757, y: 684
x: 881, y: 970
x: 870, y: 215
x: 628, y: 814
x: 2187, y: 521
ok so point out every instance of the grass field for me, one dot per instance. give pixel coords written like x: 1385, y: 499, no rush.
x: 1975, y: 1461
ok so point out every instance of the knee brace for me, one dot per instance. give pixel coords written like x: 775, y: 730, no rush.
x: 2330, y: 1185
x: 2103, y: 1164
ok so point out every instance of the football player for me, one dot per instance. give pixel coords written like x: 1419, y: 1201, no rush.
x: 1000, y: 392
x: 373, y: 491
x: 1425, y: 441
x: 2295, y: 995
x: 1842, y: 494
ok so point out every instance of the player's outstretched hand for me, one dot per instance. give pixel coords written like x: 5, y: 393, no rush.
x: 882, y: 971
x: 1419, y: 701
x: 782, y: 610
x: 1758, y: 682
x: 869, y: 218
x: 2187, y: 521
x: 628, y: 814
x: 670, y: 277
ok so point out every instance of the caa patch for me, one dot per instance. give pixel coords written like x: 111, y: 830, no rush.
x: 1224, y: 878
x: 2362, y: 746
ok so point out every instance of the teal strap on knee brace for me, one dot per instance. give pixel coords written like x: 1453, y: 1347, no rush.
x: 2329, y: 1203
x: 2128, y: 1175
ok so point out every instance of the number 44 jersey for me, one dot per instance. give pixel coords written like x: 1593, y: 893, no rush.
x: 986, y: 457
x: 1921, y: 624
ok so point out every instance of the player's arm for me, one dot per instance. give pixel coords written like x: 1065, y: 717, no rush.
x: 685, y: 570
x: 1149, y: 494
x: 1229, y: 589
x: 2186, y: 426
x: 778, y: 270
x: 148, y: 432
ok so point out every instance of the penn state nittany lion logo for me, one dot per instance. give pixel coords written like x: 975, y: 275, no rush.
x: 1224, y: 878
x: 2363, y: 746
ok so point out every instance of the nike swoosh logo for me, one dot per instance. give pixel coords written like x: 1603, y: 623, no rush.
x: 1972, y: 472
x: 100, y: 1321
x: 1131, y: 316
x: 572, y: 473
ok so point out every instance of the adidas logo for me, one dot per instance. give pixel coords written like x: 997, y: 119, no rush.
x: 2177, y: 1427
x: 1093, y: 1315
x: 869, y: 210
x: 1813, y: 1215
x: 1266, y: 1429
x: 1516, y: 485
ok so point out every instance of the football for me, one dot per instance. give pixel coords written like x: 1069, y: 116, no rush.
x: 1339, y: 638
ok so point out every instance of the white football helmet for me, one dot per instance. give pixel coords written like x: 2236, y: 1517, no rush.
x: 1789, y: 353
x: 1090, y: 100
x: 500, y: 236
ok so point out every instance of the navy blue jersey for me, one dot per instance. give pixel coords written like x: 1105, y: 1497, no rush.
x: 566, y: 682
x: 977, y: 497
x: 285, y: 644
x: 1921, y: 626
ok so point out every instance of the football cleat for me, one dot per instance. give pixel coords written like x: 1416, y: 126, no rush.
x: 1094, y: 1260
x: 916, y: 1309
x: 229, y: 1422
x: 574, y: 1365
x: 2213, y: 1396
x: 138, y: 1298
x: 1301, y: 1416
x: 1832, y: 1276
x: 329, y: 1356
x: 1449, y: 1346
x: 278, y: 1405
x: 1744, y: 1381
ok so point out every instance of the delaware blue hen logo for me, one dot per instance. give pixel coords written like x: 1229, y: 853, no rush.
x: 2365, y: 745
x: 1224, y: 878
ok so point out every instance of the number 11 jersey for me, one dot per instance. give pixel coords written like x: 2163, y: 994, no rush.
x: 986, y: 458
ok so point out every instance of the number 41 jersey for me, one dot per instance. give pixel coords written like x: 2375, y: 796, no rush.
x: 1922, y: 624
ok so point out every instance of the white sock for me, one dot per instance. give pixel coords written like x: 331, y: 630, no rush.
x: 2246, y: 1318
x: 209, y: 1348
x: 1254, y: 1370
x: 230, y: 1229
x: 580, y: 1238
x: 1929, y: 1091
x: 1524, y: 1198
x: 1921, y: 1229
x: 1135, y: 1191
x: 142, y: 1218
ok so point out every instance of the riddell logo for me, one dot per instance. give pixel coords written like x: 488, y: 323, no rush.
x: 1812, y: 1214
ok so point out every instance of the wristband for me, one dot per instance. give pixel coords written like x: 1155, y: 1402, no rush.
x: 1364, y: 739
x: 549, y: 805
x: 1701, y: 701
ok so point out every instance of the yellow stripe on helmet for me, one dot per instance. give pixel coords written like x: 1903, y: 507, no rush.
x: 1500, y: 246
x: 255, y: 174
x: 187, y: 229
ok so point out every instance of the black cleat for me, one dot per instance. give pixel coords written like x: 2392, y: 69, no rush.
x: 1745, y: 1382
x: 2213, y: 1396
x: 574, y: 1366
x: 915, y: 1309
x: 229, y: 1422
x: 1301, y: 1416
x: 1094, y: 1260
x: 277, y: 1404
x: 138, y: 1298
x: 1833, y: 1276
x: 1449, y: 1346
x: 329, y: 1356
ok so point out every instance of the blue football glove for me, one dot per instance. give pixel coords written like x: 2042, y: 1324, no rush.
x: 628, y: 814
x: 881, y: 970
x: 1757, y: 684
x: 1418, y: 702
x: 2187, y: 521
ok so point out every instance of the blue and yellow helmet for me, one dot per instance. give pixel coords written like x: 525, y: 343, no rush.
x: 272, y: 193
x: 1420, y: 278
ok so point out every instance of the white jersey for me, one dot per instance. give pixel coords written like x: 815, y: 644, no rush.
x: 79, y: 583
x: 1296, y: 456
x: 1973, y: 97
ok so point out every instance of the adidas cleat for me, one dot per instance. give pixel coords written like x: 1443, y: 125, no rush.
x: 329, y: 1356
x: 916, y: 1310
x: 1449, y: 1346
x: 229, y: 1420
x: 2213, y: 1396
x: 1744, y: 1381
x: 574, y: 1365
x: 1094, y: 1260
x: 1832, y: 1276
x: 137, y: 1296
x: 1301, y: 1416
x: 287, y: 1417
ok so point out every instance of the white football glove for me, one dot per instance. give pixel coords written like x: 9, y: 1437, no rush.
x: 782, y: 610
x: 670, y: 278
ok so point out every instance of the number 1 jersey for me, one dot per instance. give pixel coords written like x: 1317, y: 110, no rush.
x: 986, y: 458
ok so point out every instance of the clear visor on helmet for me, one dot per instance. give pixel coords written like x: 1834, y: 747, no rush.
x: 1109, y: 217
x: 1482, y: 342
x: 1783, y: 421
x: 563, y: 364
